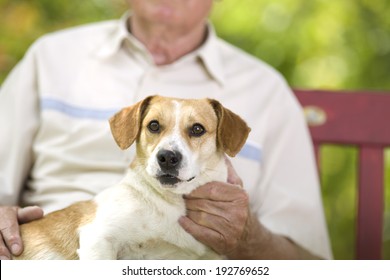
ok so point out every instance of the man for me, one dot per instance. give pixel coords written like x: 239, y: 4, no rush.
x: 56, y: 147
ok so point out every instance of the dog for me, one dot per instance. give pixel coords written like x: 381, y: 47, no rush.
x: 180, y: 145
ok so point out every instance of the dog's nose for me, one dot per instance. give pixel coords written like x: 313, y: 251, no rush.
x: 168, y: 159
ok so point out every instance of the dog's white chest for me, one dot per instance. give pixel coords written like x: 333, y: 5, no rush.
x: 130, y: 224
x: 159, y: 248
x: 158, y: 235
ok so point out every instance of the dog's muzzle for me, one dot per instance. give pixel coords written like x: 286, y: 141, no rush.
x: 170, y: 163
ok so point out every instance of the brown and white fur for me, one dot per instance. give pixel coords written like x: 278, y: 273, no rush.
x: 180, y: 145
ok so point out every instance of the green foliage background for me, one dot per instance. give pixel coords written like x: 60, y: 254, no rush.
x: 327, y: 44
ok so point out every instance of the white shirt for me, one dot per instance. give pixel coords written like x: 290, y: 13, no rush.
x: 56, y: 147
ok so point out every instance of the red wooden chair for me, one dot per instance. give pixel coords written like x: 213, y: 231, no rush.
x: 361, y: 119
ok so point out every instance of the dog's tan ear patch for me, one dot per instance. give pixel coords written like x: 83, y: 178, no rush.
x: 232, y: 129
x: 126, y: 124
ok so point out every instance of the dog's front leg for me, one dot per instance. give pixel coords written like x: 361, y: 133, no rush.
x: 95, y: 245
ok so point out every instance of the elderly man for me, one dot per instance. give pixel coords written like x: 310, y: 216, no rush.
x: 56, y: 146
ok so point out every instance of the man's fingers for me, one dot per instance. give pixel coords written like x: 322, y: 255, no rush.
x: 216, y: 208
x: 30, y: 213
x: 216, y: 223
x: 9, y: 228
x: 4, y: 252
x: 216, y: 191
x: 11, y: 217
x: 233, y: 177
x: 12, y: 239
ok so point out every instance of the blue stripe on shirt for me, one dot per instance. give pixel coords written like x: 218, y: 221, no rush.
x: 76, y: 111
x: 249, y: 150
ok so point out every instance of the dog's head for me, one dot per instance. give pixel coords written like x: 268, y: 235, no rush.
x: 180, y: 142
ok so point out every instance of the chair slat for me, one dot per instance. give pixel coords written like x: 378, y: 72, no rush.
x: 370, y: 203
x: 360, y: 119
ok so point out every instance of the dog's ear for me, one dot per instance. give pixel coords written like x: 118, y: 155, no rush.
x: 126, y: 124
x: 232, y: 129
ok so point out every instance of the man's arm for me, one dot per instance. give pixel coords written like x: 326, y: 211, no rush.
x: 218, y: 215
x: 19, y: 119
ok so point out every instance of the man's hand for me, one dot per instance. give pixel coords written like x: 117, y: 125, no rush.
x: 10, y: 218
x: 217, y: 213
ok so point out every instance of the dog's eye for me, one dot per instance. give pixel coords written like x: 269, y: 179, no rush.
x: 154, y: 127
x: 197, y: 130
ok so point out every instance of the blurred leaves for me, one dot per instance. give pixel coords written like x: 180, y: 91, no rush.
x: 23, y: 21
x: 330, y: 44
x: 339, y: 190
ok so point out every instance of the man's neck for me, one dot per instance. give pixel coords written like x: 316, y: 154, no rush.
x: 164, y: 43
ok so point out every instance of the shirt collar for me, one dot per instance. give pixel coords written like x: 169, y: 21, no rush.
x: 113, y: 42
x: 208, y: 52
